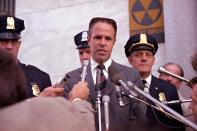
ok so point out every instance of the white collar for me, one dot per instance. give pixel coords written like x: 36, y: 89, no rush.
x: 148, y: 80
x: 94, y: 64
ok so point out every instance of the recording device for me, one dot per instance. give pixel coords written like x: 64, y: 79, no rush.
x: 106, y: 100
x: 176, y: 101
x: 63, y: 82
x: 84, y: 65
x: 162, y: 70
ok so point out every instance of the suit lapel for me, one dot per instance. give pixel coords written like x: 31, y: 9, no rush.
x: 91, y: 85
x: 110, y: 85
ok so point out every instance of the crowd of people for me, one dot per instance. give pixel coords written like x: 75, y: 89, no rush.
x: 30, y: 102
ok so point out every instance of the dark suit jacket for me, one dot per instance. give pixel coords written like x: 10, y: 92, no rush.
x: 117, y: 114
x: 160, y: 86
x: 34, y: 75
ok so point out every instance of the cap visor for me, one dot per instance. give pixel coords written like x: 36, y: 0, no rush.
x: 9, y: 35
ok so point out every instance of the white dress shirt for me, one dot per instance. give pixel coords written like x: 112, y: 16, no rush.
x: 94, y: 64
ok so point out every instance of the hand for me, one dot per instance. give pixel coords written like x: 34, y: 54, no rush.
x: 52, y: 91
x: 80, y: 91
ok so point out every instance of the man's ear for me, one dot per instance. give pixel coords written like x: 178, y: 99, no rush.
x: 19, y: 43
x: 130, y: 60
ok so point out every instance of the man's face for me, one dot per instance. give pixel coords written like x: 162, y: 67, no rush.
x: 84, y: 54
x: 175, y: 70
x: 101, y: 40
x: 142, y: 60
x: 11, y: 45
x: 193, y: 104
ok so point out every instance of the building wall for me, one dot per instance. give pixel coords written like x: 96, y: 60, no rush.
x: 51, y: 25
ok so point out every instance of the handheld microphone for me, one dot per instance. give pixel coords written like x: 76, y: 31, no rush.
x: 84, y: 64
x: 176, y: 101
x: 98, y: 79
x: 118, y: 80
x: 106, y: 100
x: 162, y: 70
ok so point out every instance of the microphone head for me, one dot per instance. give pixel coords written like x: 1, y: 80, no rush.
x: 112, y: 70
x: 161, y: 70
x: 116, y: 79
x: 105, y: 99
x: 85, y: 62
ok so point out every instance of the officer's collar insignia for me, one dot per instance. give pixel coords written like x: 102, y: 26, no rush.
x: 10, y: 23
x: 162, y: 97
x: 35, y: 89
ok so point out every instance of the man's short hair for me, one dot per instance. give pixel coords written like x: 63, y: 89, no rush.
x: 102, y: 19
x: 180, y: 68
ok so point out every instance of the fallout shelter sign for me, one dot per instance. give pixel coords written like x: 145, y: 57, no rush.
x: 146, y: 16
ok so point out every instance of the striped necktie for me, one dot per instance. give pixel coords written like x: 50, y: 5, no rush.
x: 103, y: 80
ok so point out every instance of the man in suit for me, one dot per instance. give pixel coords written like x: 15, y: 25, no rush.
x: 36, y: 80
x: 101, y: 38
x: 140, y: 50
x: 83, y: 48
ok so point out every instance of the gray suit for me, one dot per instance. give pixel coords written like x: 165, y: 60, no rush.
x: 48, y: 114
x: 117, y: 114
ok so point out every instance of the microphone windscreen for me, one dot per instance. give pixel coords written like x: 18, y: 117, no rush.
x: 85, y: 63
x: 112, y: 70
x: 116, y: 79
x: 105, y: 98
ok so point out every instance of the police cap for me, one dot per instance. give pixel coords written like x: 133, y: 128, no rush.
x: 141, y: 42
x: 11, y: 27
x: 81, y: 40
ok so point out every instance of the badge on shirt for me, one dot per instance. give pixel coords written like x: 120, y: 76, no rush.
x: 162, y: 96
x: 35, y: 89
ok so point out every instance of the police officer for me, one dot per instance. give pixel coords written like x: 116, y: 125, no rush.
x: 10, y: 29
x: 140, y: 50
x: 82, y: 46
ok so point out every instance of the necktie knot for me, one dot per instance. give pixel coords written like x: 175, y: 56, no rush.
x: 144, y: 82
x: 101, y: 66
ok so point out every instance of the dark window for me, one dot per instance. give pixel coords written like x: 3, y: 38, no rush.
x: 7, y: 7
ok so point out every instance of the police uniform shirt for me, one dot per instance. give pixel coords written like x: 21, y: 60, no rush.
x: 36, y: 79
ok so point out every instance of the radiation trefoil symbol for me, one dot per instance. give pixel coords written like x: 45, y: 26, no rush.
x: 146, y: 12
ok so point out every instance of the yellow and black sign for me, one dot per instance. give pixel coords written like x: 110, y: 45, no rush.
x: 146, y: 16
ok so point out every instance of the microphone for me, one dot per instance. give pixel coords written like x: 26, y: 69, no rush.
x: 119, y: 96
x: 112, y: 71
x: 98, y: 79
x: 84, y: 64
x: 97, y: 87
x: 118, y: 80
x: 174, y: 113
x: 162, y: 70
x: 176, y: 101
x: 106, y: 100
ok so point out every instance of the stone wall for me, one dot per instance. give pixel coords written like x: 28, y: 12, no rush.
x: 51, y: 25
